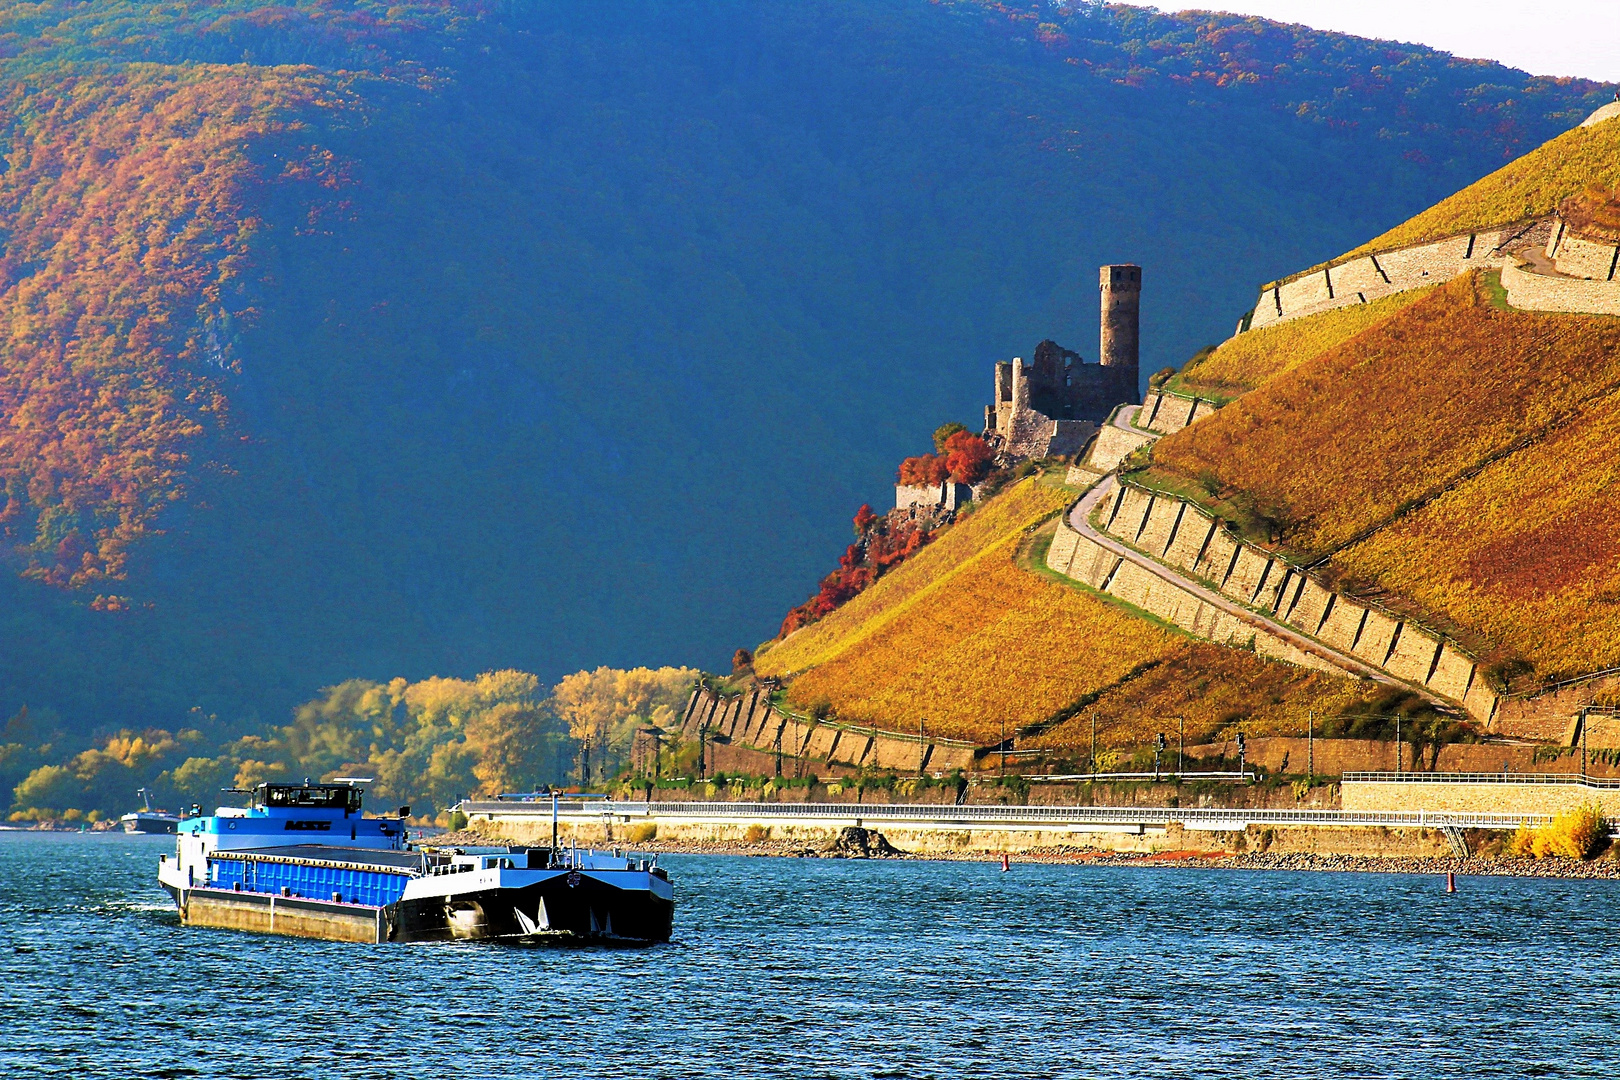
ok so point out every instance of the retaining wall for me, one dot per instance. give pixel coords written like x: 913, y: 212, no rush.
x: 1370, y: 277
x: 1538, y: 292
x: 1112, y: 446
x: 1185, y: 537
x: 1483, y: 798
x: 1083, y: 559
x: 1595, y: 260
x: 1166, y: 412
x: 741, y: 733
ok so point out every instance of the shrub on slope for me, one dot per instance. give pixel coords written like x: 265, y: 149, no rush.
x: 1524, y: 557
x: 1242, y: 363
x: 1529, y: 187
x: 1352, y: 438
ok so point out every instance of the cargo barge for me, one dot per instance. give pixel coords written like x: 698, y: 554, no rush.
x: 303, y: 860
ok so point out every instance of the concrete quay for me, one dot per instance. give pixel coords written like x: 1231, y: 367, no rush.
x: 935, y: 828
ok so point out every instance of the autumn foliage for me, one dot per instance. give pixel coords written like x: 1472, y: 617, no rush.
x: 127, y: 272
x: 1594, y: 214
x: 882, y: 543
x: 963, y: 636
x: 1522, y: 558
x: 1243, y: 362
x: 964, y: 458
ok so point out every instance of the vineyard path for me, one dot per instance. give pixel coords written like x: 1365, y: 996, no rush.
x: 1080, y: 521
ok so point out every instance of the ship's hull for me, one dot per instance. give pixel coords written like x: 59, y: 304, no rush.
x: 153, y: 825
x: 587, y: 910
x: 552, y: 911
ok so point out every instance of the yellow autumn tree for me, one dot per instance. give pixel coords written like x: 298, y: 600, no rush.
x: 603, y: 708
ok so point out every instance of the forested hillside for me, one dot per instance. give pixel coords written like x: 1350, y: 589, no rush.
x: 345, y: 339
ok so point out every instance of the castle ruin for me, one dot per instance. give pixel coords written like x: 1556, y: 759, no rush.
x: 1053, y: 406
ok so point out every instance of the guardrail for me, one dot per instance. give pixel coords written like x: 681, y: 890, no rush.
x: 1605, y: 782
x: 944, y: 814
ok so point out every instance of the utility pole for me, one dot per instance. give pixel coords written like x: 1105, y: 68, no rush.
x: 1310, y: 747
x: 1397, y: 745
x: 1243, y: 757
x: 1181, y: 743
x: 1583, y: 744
x: 1158, y: 749
x: 1093, y: 744
x: 1003, y: 746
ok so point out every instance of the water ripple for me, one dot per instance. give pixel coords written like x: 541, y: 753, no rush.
x: 801, y: 968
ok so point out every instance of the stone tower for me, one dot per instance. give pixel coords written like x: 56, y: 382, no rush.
x: 1121, y: 286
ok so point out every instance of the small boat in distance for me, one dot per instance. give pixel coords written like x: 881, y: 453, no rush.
x: 148, y: 820
x: 282, y: 865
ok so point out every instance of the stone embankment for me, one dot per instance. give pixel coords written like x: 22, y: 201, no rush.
x: 1437, y: 865
x: 1222, y: 859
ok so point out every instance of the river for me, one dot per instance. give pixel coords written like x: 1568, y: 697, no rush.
x: 828, y: 968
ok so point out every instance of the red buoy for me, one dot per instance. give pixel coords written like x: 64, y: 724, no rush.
x: 1006, y: 864
x: 1451, y: 881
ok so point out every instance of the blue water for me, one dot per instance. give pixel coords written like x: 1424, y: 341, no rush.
x: 807, y: 968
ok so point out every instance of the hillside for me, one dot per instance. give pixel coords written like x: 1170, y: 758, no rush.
x: 967, y: 636
x: 1527, y: 187
x: 1353, y: 437
x: 1439, y: 451
x: 350, y: 340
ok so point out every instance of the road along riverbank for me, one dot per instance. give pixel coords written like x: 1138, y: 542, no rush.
x: 944, y: 830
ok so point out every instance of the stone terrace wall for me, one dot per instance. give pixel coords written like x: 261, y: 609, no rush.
x: 1112, y: 446
x: 1538, y: 292
x: 1167, y: 412
x: 1185, y: 537
x: 1078, y: 557
x: 750, y: 721
x: 1577, y: 257
x: 1369, y: 277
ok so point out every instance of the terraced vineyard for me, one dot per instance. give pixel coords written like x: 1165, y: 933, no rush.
x: 1347, y: 441
x: 1244, y: 362
x: 967, y: 639
x: 1523, y: 556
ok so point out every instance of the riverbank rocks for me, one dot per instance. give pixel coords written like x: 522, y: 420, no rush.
x: 855, y: 842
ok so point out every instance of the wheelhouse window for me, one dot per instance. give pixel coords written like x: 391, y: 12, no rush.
x: 310, y: 796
